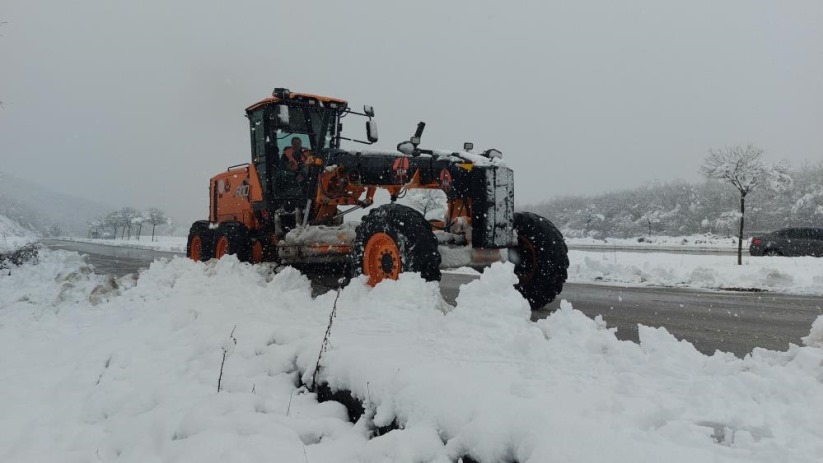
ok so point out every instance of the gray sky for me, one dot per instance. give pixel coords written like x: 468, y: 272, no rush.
x: 139, y: 103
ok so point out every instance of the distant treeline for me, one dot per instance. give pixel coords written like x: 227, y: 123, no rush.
x: 680, y: 208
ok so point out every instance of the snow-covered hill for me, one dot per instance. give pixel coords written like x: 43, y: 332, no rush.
x: 37, y: 207
x: 95, y: 369
x: 13, y: 235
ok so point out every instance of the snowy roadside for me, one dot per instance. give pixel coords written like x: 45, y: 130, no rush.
x: 708, y: 243
x: 160, y: 243
x: 694, y: 243
x: 103, y: 369
x: 791, y: 275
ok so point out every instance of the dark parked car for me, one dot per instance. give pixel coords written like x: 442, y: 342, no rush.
x: 789, y: 242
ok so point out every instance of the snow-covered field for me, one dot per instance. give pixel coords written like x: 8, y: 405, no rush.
x: 691, y: 242
x: 13, y: 235
x: 160, y: 243
x: 795, y: 275
x: 95, y: 369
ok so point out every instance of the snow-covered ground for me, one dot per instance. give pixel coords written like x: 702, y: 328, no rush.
x: 695, y: 242
x: 796, y: 275
x: 13, y: 235
x: 95, y: 369
x: 160, y: 243
x: 691, y: 242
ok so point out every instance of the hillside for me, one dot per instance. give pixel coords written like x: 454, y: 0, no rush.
x: 13, y: 235
x: 39, y: 208
x: 680, y: 208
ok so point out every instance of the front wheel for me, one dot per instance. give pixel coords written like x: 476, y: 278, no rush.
x: 541, y: 259
x: 393, y: 239
x: 200, y: 244
x: 233, y: 238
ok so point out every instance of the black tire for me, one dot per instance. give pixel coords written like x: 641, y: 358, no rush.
x: 772, y: 252
x: 201, y: 230
x: 239, y: 242
x: 541, y: 259
x: 412, y: 233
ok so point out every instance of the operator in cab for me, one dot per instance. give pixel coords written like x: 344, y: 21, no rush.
x: 295, y: 157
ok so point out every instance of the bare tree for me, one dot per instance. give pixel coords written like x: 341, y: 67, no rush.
x: 127, y: 216
x: 113, y: 220
x: 427, y: 201
x: 137, y: 222
x: 155, y: 217
x: 744, y: 168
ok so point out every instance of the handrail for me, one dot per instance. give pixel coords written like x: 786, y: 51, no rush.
x: 237, y: 165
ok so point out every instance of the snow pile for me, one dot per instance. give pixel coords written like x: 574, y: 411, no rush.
x: 13, y: 235
x: 134, y: 377
x: 795, y: 275
x: 815, y: 337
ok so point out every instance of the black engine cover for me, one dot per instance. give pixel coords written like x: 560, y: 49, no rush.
x: 492, y: 207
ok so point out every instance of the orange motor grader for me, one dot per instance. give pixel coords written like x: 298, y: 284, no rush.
x: 287, y: 205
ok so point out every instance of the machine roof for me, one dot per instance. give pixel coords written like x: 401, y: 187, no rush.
x: 297, y: 96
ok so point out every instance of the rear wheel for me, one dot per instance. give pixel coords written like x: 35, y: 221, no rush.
x: 393, y: 239
x: 541, y: 259
x: 257, y: 251
x: 199, y: 246
x: 772, y: 252
x: 233, y: 238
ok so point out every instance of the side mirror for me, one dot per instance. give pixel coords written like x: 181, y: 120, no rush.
x: 468, y: 146
x: 371, y: 131
x: 283, y: 113
x: 493, y: 153
x: 406, y: 147
x: 368, y: 110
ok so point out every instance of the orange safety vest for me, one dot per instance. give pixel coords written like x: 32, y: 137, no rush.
x: 294, y: 163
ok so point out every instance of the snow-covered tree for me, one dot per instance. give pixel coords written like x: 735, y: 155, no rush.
x: 809, y: 207
x: 744, y: 168
x: 127, y: 216
x: 427, y: 201
x: 155, y: 217
x: 95, y: 225
x: 113, y: 220
x: 137, y: 223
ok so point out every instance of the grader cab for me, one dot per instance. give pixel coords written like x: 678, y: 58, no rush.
x: 288, y: 204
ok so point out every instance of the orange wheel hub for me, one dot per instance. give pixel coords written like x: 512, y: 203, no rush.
x: 381, y: 259
x: 196, y: 248
x: 222, y: 247
x: 256, y: 252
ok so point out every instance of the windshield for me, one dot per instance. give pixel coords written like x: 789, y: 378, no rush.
x: 310, y: 124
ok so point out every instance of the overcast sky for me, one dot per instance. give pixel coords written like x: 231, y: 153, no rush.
x: 139, y: 103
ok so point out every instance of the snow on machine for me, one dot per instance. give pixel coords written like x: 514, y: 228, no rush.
x: 288, y: 204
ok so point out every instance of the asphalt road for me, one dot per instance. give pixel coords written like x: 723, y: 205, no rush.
x: 729, y: 321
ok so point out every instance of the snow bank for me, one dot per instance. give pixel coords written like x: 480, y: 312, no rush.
x: 14, y: 235
x: 129, y: 373
x: 795, y: 275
